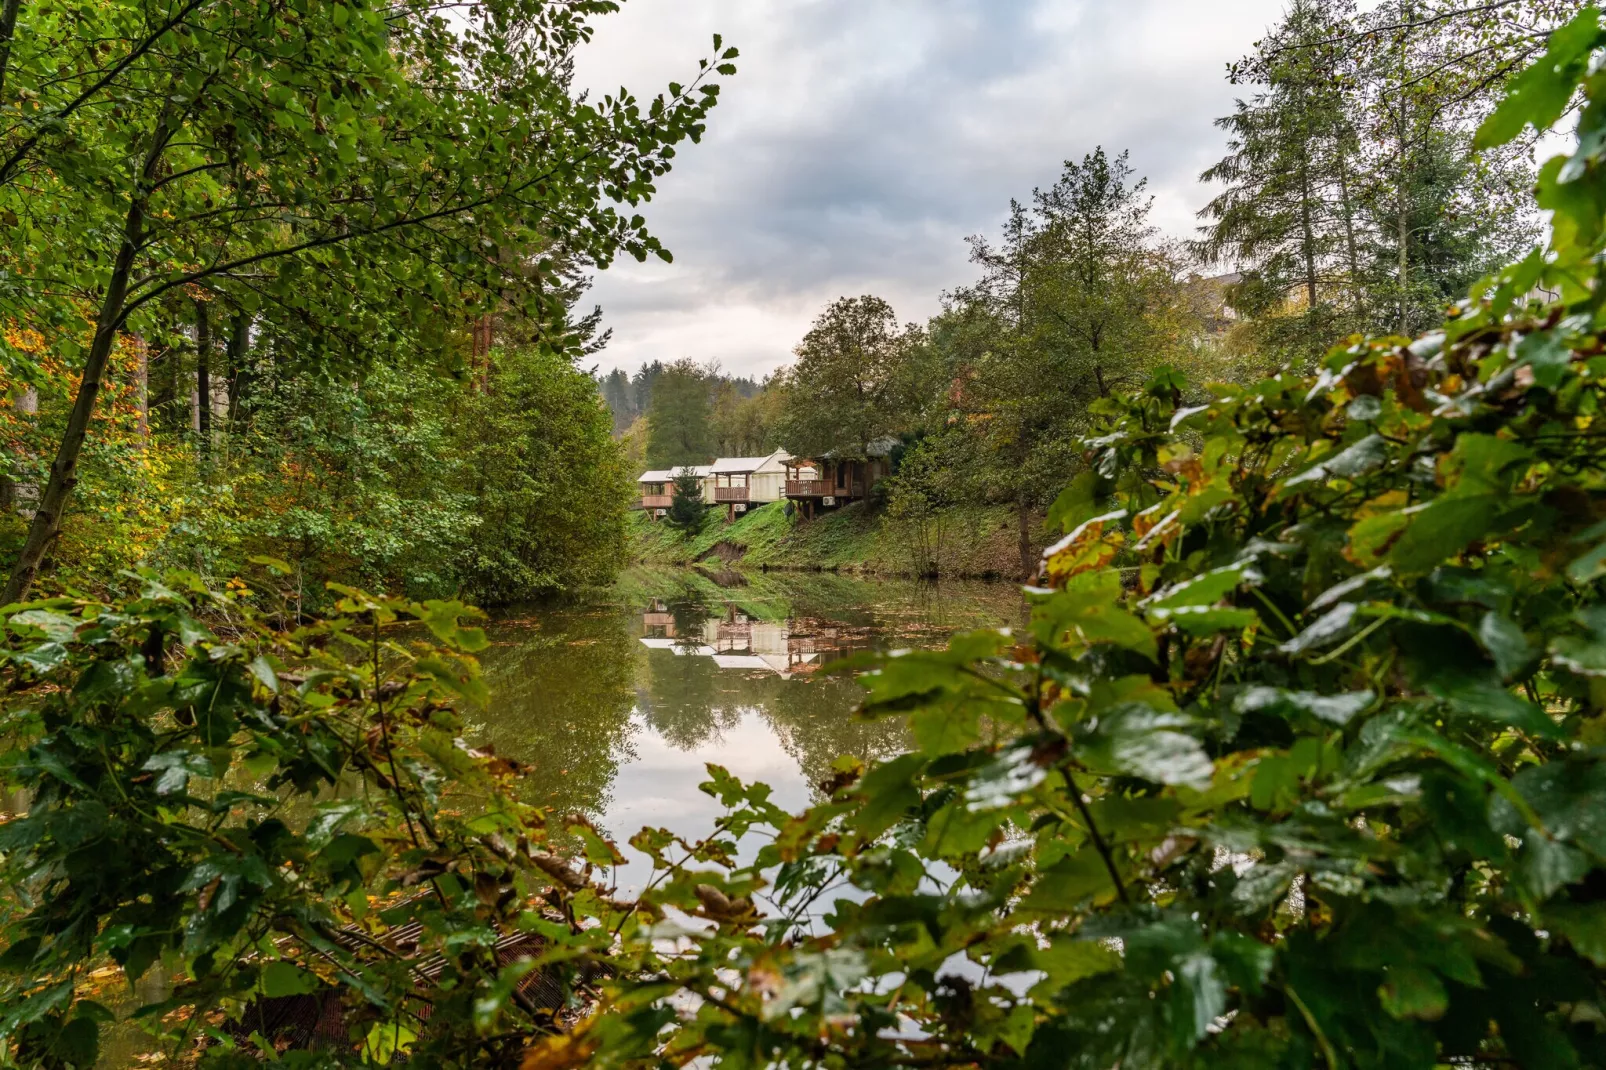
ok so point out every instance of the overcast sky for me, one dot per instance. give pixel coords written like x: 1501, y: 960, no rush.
x: 863, y: 140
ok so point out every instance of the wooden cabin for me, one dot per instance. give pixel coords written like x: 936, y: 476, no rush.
x: 740, y: 482
x: 658, y: 487
x: 834, y: 480
x: 657, y: 491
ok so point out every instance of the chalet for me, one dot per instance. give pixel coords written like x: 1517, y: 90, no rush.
x: 835, y: 479
x: 742, y: 481
x: 658, y: 487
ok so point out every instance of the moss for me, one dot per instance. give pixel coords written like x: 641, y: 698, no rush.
x: 973, y: 541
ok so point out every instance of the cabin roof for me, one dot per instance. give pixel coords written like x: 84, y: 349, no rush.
x: 736, y: 465
x: 667, y: 475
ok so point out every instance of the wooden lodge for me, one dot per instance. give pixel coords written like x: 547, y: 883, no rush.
x: 739, y: 482
x: 833, y: 480
x: 658, y: 487
x: 733, y: 482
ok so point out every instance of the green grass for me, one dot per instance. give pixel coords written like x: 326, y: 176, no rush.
x: 977, y: 541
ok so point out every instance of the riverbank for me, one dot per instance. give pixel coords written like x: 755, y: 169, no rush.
x: 960, y: 542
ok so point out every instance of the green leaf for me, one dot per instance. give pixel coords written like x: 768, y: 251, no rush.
x: 1443, y: 527
x: 1323, y: 630
x: 1357, y: 459
x: 1069, y: 959
x: 1064, y: 886
x: 1584, y: 926
x: 280, y: 978
x: 1504, y: 641
x: 1540, y: 93
x: 1413, y: 992
x: 1137, y: 740
x: 176, y: 768
x: 1333, y: 709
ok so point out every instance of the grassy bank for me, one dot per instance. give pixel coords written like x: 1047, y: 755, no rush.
x: 964, y: 541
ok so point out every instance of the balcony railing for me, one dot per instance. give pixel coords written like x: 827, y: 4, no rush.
x: 822, y: 488
x: 657, y: 501
x: 730, y: 494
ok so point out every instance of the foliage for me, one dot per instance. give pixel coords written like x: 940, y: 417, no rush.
x: 678, y: 429
x: 1296, y: 765
x: 368, y: 173
x: 1299, y: 763
x: 1352, y: 199
x: 501, y: 488
x: 550, y: 495
x: 219, y: 795
x: 1077, y: 300
x: 850, y: 383
x: 686, y: 508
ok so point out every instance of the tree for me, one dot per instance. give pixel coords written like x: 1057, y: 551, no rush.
x: 1282, y: 773
x: 1074, y: 302
x: 616, y: 394
x: 248, y: 151
x: 550, y: 494
x: 1290, y: 217
x: 686, y: 506
x: 745, y: 426
x: 1353, y: 199
x: 843, y: 391
x: 679, y: 431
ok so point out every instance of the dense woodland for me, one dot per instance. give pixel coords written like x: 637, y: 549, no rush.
x: 1299, y: 761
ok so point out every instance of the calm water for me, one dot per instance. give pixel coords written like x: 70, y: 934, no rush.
x: 617, y: 707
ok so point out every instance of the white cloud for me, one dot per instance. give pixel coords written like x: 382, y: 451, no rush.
x: 863, y: 140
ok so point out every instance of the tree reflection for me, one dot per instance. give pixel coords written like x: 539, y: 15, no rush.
x: 687, y: 659
x: 562, y: 692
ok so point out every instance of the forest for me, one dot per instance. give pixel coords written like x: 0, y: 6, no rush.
x: 1295, y: 759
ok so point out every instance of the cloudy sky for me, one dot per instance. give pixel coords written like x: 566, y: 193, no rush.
x: 862, y: 140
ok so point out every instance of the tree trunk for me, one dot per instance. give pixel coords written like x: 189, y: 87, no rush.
x: 1403, y: 173
x: 239, y: 377
x: 8, y: 29
x: 142, y: 386
x: 1308, y: 238
x: 1349, y: 232
x: 1028, y: 564
x: 203, y: 380
x: 46, y: 525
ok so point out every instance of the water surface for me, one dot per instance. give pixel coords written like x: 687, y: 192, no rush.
x: 618, y: 706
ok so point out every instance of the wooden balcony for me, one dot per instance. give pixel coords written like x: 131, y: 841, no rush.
x: 657, y: 501
x: 822, y: 488
x: 730, y: 494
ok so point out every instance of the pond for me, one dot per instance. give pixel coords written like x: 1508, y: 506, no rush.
x: 618, y: 706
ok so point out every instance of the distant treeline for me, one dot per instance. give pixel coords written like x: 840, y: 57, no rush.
x: 630, y: 396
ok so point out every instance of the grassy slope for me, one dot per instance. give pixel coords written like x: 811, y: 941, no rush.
x: 978, y: 541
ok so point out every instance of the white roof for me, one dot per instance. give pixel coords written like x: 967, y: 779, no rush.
x: 740, y: 661
x: 736, y: 465
x: 667, y: 475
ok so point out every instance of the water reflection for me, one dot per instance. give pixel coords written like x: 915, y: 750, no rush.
x: 617, y: 707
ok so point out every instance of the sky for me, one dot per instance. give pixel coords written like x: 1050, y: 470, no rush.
x: 862, y: 141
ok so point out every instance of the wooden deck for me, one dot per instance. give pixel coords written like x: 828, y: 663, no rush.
x: 657, y: 501
x: 730, y: 494
x: 822, y: 488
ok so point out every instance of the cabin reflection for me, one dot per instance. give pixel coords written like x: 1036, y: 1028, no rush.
x: 735, y: 640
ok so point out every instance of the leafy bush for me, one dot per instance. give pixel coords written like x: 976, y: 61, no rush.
x: 217, y: 795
